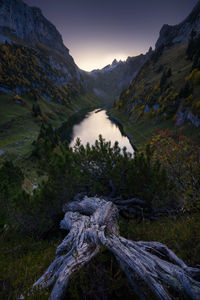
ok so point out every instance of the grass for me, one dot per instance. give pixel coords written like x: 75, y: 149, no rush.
x: 23, y: 259
x: 173, y: 58
x: 103, y: 277
x: 17, y: 122
x: 143, y: 130
x: 18, y: 127
x: 22, y: 262
x: 180, y: 233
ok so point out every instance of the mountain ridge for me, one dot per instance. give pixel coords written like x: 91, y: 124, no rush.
x: 30, y: 25
x: 170, y: 34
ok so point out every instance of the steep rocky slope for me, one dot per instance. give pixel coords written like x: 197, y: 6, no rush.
x: 170, y: 35
x: 28, y: 24
x: 168, y: 85
x: 33, y: 42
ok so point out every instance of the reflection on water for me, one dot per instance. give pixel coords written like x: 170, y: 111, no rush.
x: 96, y: 123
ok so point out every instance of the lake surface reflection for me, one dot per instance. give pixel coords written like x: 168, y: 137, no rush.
x: 96, y: 123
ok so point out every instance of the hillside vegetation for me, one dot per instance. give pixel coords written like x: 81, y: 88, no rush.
x: 30, y: 222
x: 32, y: 92
x: 40, y: 174
x: 166, y: 91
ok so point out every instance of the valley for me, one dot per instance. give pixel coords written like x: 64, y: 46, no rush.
x: 114, y: 153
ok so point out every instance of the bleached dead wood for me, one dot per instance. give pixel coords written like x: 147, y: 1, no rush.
x: 92, y: 223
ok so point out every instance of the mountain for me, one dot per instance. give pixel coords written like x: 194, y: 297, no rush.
x: 168, y: 85
x: 29, y: 25
x: 29, y: 36
x: 39, y: 81
x: 110, y: 81
x: 170, y: 35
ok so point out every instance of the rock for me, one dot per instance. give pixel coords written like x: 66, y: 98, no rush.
x: 19, y: 102
x: 29, y: 24
x: 187, y: 115
x: 4, y: 90
x: 2, y: 152
x: 181, y: 32
x: 193, y: 119
x: 147, y: 108
x: 156, y: 106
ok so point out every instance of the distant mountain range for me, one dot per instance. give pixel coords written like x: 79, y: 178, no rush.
x: 110, y: 81
x: 24, y: 26
x: 164, y: 82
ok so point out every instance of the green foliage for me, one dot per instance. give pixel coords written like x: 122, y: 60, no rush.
x: 102, y: 278
x: 90, y: 169
x: 22, y: 261
x: 36, y: 110
x: 195, y: 77
x: 186, y: 91
x: 180, y: 159
x: 30, y: 71
x: 46, y: 141
x: 157, y: 54
x: 10, y: 184
x: 166, y: 74
x: 100, y: 169
x: 180, y: 233
x: 193, y: 50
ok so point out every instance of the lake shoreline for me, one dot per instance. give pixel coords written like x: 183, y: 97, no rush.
x: 66, y: 131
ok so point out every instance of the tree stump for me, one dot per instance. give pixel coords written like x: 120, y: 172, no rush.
x: 92, y: 223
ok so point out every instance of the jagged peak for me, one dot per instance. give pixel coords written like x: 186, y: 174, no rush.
x: 171, y: 34
x: 115, y: 62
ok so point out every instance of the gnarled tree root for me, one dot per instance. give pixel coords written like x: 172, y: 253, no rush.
x: 92, y: 223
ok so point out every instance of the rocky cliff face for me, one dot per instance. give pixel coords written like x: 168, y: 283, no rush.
x: 180, y: 33
x: 23, y: 26
x: 29, y: 24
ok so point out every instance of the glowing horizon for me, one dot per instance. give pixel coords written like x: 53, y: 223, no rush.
x: 87, y: 65
x: 97, y: 32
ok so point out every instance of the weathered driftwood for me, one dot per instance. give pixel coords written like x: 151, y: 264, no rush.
x: 92, y: 223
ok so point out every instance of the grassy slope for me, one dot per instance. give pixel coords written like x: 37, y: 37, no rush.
x: 143, y: 129
x: 174, y: 58
x: 18, y: 127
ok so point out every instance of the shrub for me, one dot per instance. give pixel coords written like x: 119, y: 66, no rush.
x: 100, y: 169
x: 10, y: 184
x: 181, y: 161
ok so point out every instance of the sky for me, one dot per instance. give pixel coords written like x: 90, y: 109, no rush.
x: 98, y: 31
